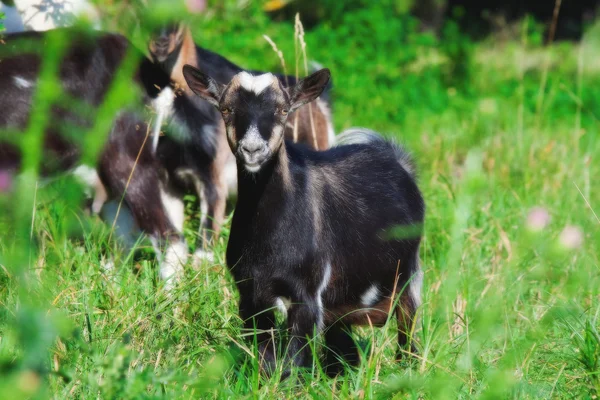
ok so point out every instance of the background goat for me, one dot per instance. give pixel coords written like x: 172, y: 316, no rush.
x: 196, y: 146
x: 311, y: 230
x: 85, y: 74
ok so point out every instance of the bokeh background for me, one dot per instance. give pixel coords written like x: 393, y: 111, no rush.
x: 499, y: 102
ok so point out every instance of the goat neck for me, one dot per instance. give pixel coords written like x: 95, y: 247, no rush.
x: 267, y: 187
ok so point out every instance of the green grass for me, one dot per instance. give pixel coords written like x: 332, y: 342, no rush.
x: 507, y: 312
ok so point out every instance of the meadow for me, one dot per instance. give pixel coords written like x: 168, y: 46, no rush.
x: 505, y: 135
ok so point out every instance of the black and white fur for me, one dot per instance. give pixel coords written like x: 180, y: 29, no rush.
x: 85, y: 74
x: 311, y: 229
x: 195, y: 150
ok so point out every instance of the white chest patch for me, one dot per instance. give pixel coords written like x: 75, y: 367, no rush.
x: 255, y: 84
x: 370, y: 297
x: 164, y: 101
x: 163, y: 106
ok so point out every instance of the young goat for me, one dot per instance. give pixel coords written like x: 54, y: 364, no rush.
x: 197, y: 147
x: 312, y: 231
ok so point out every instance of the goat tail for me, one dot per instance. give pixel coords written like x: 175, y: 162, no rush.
x: 368, y: 136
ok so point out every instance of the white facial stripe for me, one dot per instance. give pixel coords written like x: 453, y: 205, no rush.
x: 275, y: 136
x: 319, y: 295
x: 252, y: 133
x: 255, y: 84
x: 370, y: 297
x: 22, y: 83
x: 252, y: 140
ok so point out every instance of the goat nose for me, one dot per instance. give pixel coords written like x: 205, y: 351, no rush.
x: 251, y: 148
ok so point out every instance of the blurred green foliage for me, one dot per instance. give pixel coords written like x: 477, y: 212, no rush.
x: 497, y: 127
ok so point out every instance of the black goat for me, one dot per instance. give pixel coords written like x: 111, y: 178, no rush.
x: 85, y: 73
x: 313, y: 230
x: 196, y: 146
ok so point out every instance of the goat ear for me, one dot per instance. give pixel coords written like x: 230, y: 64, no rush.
x: 309, y: 88
x: 203, y: 85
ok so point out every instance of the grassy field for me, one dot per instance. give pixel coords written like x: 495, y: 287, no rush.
x: 505, y: 134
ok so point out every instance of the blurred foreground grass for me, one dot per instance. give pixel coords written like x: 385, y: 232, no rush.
x: 511, y: 296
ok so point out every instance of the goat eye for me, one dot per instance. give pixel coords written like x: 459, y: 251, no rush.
x: 225, y: 110
x: 283, y: 111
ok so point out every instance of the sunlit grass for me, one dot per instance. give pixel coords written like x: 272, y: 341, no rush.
x: 510, y: 309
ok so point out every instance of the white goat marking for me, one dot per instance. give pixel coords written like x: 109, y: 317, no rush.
x: 283, y: 304
x: 171, y: 267
x: 230, y: 173
x: 416, y: 283
x: 251, y: 138
x: 319, y: 295
x: 252, y: 135
x: 22, y: 83
x: 201, y: 256
x: 163, y: 104
x: 203, y: 211
x: 255, y: 84
x: 370, y: 297
x: 174, y: 208
x: 89, y: 177
x: 86, y: 175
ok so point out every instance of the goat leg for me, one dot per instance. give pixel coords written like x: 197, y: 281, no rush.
x: 339, y: 349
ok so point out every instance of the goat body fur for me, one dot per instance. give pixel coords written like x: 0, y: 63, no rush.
x: 85, y: 74
x: 314, y: 228
x: 195, y: 150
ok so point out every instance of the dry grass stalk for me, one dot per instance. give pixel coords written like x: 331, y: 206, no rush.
x: 299, y: 37
x: 280, y: 55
